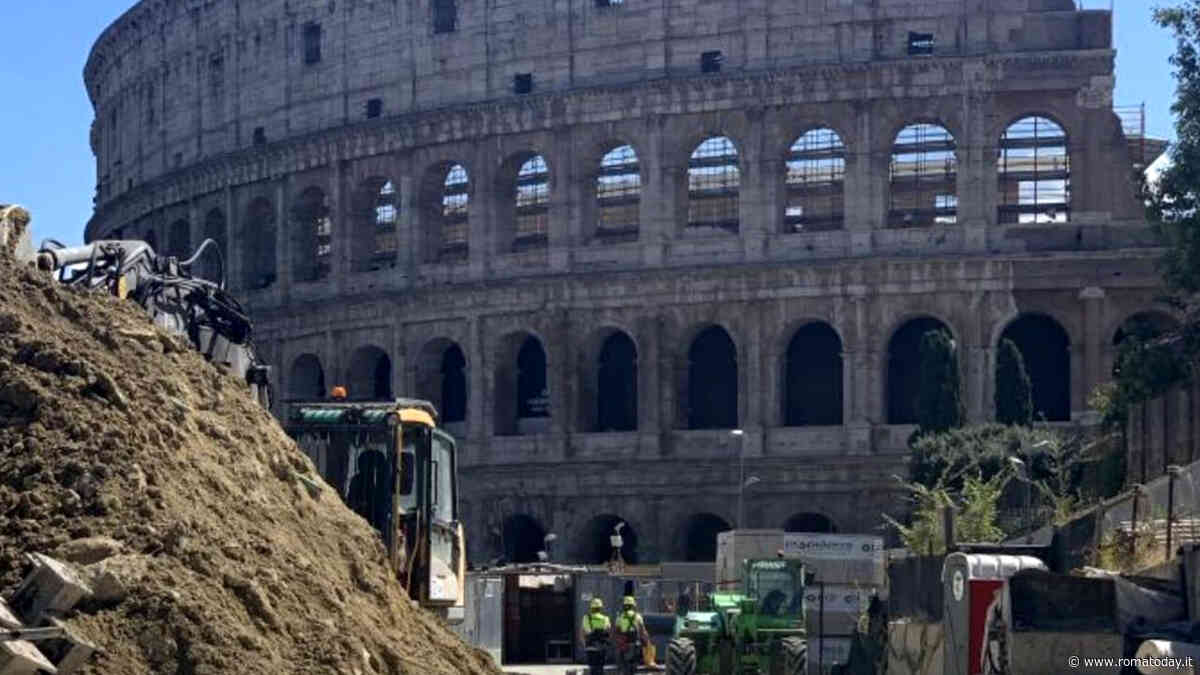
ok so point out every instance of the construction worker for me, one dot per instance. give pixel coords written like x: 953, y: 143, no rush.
x: 594, y: 634
x: 631, y: 635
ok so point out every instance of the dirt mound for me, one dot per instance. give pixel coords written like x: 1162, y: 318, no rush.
x: 178, y: 498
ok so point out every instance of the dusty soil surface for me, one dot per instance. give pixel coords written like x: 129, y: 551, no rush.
x: 125, y: 452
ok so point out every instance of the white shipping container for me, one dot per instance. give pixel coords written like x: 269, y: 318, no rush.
x: 735, y: 546
x: 846, y: 559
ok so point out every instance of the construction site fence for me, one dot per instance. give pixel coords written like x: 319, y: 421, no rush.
x: 1137, y: 529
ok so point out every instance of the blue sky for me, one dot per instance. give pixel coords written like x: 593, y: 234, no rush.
x: 48, y: 167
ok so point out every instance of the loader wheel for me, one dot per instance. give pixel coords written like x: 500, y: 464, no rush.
x: 795, y: 656
x: 681, y: 657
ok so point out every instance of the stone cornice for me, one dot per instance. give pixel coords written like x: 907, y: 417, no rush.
x: 543, y: 112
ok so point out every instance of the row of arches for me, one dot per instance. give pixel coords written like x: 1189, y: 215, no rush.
x: 812, y: 369
x: 521, y: 536
x: 1033, y: 174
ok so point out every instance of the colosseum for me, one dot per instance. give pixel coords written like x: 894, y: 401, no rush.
x: 663, y: 263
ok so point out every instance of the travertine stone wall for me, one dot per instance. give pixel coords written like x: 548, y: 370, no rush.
x: 180, y: 87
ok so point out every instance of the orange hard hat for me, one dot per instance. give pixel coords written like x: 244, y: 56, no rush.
x: 338, y: 392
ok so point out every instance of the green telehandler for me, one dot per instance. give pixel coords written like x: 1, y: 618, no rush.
x: 758, y: 631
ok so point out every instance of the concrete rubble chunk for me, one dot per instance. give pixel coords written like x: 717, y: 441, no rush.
x: 52, y: 586
x: 19, y: 657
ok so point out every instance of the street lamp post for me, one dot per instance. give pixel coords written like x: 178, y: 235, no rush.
x: 743, y: 482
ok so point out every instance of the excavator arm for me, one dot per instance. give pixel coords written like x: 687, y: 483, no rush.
x: 198, y: 309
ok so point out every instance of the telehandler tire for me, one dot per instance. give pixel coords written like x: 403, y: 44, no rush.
x: 795, y: 656
x: 681, y: 657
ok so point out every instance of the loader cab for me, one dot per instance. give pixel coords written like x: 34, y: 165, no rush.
x: 391, y: 465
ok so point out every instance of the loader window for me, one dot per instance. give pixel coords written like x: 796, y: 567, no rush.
x: 443, y: 480
x: 406, y: 489
x: 773, y: 588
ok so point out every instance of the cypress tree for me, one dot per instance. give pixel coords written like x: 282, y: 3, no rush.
x: 1014, y: 390
x: 939, y: 401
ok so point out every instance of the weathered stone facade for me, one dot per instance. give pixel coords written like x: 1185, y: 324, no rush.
x: 373, y: 177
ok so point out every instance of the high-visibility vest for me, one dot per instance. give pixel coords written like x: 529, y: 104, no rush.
x: 628, y: 622
x: 594, y: 621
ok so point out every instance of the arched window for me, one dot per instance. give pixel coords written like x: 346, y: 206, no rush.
x: 924, y: 177
x: 1035, y: 172
x: 1046, y: 349
x: 532, y: 205
x: 712, y: 381
x: 312, y: 236
x: 816, y: 174
x: 455, y: 213
x: 810, y: 522
x: 523, y: 538
x: 618, y: 193
x: 904, y: 368
x: 306, y: 380
x: 370, y: 375
x: 616, y: 397
x: 374, y: 242
x: 814, y: 377
x: 179, y: 239
x: 258, y: 231
x: 714, y: 180
x: 700, y: 537
x: 214, y: 265
x: 454, y: 385
x: 532, y: 394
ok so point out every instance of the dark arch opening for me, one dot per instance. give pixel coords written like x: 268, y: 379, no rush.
x: 370, y: 375
x: 700, y: 537
x: 1047, y: 352
x: 179, y: 239
x: 152, y: 239
x: 532, y: 394
x: 712, y: 393
x: 454, y: 385
x: 214, y: 265
x: 616, y: 399
x: 904, y: 368
x: 598, y: 547
x: 260, y: 266
x: 810, y: 522
x: 523, y: 538
x: 306, y: 379
x: 814, y: 377
x: 312, y: 236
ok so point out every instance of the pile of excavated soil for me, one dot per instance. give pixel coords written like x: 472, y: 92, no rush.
x: 124, y: 452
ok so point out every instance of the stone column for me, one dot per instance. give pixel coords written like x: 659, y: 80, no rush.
x: 560, y: 238
x: 1095, y: 367
x: 980, y: 374
x: 754, y: 203
x: 343, y: 229
x: 658, y: 204
x: 650, y: 374
x: 234, y: 246
x: 408, y: 240
x: 283, y: 232
x: 865, y: 187
x: 331, y: 361
x: 561, y: 361
x: 751, y: 399
x: 474, y: 375
x: 481, y: 248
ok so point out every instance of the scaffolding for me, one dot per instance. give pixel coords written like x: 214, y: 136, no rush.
x: 816, y: 174
x: 618, y: 193
x: 924, y: 178
x: 532, y: 203
x: 713, y: 183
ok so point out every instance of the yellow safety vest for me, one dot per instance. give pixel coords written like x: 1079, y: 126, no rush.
x: 593, y: 621
x: 628, y: 622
